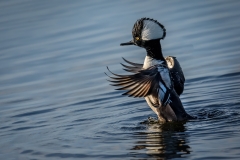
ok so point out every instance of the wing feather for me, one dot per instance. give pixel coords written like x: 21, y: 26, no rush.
x: 137, y: 91
x: 134, y: 68
x: 129, y: 67
x: 139, y: 84
x: 132, y: 63
x: 130, y: 70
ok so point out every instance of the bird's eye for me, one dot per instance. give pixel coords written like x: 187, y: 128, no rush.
x: 137, y: 38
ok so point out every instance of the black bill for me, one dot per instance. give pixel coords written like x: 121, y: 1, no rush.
x: 127, y: 43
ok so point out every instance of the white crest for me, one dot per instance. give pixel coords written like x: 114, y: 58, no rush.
x: 151, y: 30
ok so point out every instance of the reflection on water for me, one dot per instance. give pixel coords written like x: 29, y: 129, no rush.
x: 163, y: 141
x: 55, y: 100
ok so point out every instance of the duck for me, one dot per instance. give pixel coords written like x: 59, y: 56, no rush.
x: 159, y: 80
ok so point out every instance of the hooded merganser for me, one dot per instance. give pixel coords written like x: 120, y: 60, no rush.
x: 160, y: 80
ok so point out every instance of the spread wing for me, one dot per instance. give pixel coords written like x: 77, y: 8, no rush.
x: 175, y: 69
x: 141, y: 84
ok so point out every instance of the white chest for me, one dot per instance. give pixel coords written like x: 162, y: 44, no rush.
x: 148, y: 62
x: 164, y: 71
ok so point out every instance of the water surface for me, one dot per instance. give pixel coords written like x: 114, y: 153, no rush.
x: 55, y: 100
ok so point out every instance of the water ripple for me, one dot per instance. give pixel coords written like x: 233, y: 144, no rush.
x: 55, y: 100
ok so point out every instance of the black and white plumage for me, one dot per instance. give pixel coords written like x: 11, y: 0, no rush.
x: 176, y: 74
x: 154, y: 80
x: 160, y: 81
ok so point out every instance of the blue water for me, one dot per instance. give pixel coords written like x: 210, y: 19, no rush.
x: 55, y: 100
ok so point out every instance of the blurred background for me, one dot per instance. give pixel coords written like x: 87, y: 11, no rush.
x: 55, y: 100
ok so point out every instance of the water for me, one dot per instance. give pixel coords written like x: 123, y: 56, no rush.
x: 55, y: 100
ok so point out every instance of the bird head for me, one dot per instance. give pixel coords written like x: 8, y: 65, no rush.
x: 146, y: 30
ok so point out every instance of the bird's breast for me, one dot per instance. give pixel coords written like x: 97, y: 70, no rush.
x: 149, y: 62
